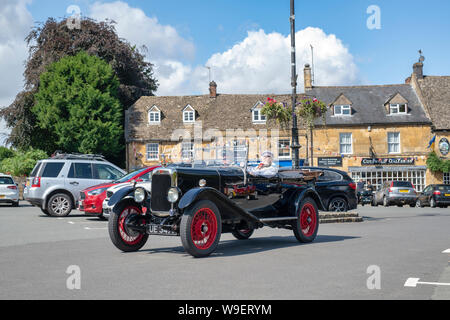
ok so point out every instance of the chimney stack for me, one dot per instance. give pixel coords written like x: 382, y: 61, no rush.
x: 307, y: 77
x: 418, y: 70
x: 212, y: 89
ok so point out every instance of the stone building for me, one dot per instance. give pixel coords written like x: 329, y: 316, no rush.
x: 375, y: 133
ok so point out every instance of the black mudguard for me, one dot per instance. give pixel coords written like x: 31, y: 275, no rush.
x: 228, y: 209
x: 120, y: 194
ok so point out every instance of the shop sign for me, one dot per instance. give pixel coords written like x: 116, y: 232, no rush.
x: 386, y: 161
x: 330, y: 162
x: 444, y: 146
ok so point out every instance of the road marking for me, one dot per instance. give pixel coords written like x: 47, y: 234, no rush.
x: 413, y: 282
x: 70, y: 222
x: 446, y: 251
x: 87, y: 228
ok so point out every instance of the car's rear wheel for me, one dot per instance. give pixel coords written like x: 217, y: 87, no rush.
x: 59, y: 205
x: 385, y: 202
x: 419, y: 204
x: 307, y: 223
x: 122, y: 237
x: 242, y: 234
x: 338, y: 204
x: 201, y: 228
x: 45, y: 211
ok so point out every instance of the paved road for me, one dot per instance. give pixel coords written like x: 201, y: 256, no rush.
x: 36, y: 250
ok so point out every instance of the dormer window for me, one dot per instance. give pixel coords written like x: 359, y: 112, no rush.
x: 398, y: 109
x: 154, y: 115
x: 257, y: 116
x: 342, y: 110
x: 188, y: 114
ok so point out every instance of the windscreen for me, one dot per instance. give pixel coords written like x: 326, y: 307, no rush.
x: 6, y: 180
x: 402, y: 184
x: 130, y: 175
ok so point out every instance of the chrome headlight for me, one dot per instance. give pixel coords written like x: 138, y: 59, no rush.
x: 139, y: 195
x: 173, y: 195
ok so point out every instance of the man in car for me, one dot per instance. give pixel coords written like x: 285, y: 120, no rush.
x: 266, y: 168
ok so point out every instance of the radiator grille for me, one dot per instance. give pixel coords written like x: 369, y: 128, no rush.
x: 161, y: 184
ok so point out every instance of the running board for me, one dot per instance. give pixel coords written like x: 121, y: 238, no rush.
x: 277, y: 219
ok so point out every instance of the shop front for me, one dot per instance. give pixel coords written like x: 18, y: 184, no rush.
x: 377, y: 171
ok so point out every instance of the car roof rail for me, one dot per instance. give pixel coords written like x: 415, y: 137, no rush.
x: 78, y: 156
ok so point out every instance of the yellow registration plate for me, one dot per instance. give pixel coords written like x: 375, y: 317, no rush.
x: 447, y: 194
x: 404, y: 191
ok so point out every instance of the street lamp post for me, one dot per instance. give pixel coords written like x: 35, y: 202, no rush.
x: 295, y: 143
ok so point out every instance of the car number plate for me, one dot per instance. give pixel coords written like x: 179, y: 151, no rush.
x: 404, y: 191
x: 447, y: 194
x: 2, y: 196
x: 158, y: 230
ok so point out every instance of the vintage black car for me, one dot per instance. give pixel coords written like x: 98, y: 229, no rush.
x: 192, y: 203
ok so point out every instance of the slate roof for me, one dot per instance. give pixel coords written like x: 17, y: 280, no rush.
x: 233, y: 111
x: 368, y: 105
x: 436, y: 96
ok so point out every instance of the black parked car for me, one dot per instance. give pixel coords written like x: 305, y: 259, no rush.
x: 191, y: 203
x: 435, y: 195
x: 336, y: 189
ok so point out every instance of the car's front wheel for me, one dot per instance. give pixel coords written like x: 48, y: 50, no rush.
x: 385, y: 202
x: 201, y: 228
x: 307, y: 223
x: 432, y: 203
x: 122, y: 237
x: 338, y: 205
x: 59, y: 205
x: 419, y: 204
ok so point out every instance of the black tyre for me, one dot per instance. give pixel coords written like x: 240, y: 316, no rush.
x: 307, y: 223
x: 419, y: 204
x: 201, y: 228
x: 45, y: 212
x: 385, y: 202
x: 242, y: 234
x: 59, y: 205
x: 15, y: 204
x: 123, y: 238
x: 374, y: 203
x: 338, y: 204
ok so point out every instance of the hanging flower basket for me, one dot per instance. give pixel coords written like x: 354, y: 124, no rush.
x: 311, y: 108
x: 278, y: 111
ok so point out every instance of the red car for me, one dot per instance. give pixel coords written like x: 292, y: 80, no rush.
x: 91, y: 199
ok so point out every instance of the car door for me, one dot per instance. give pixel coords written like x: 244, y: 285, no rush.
x: 104, y: 172
x: 80, y: 177
x: 426, y: 195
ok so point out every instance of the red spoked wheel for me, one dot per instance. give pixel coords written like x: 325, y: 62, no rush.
x: 307, y: 223
x: 200, y: 229
x: 122, y: 237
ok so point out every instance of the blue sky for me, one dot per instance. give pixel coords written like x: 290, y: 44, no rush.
x: 381, y: 56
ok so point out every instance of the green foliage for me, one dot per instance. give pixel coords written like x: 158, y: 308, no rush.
x: 77, y: 101
x: 278, y: 111
x: 22, y: 162
x: 5, y: 153
x: 310, y: 109
x: 435, y: 164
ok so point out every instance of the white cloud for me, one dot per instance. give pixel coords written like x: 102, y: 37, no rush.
x: 258, y: 64
x: 15, y: 24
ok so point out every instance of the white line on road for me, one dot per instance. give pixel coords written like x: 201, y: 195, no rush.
x: 70, y: 222
x: 413, y: 282
x: 446, y: 251
x: 87, y: 228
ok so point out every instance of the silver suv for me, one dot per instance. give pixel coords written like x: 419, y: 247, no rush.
x: 396, y: 192
x: 54, y: 185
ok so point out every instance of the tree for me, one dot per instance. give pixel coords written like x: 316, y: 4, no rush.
x: 21, y: 162
x: 77, y: 101
x: 53, y: 40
